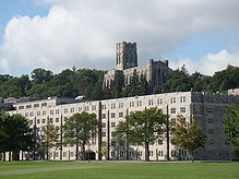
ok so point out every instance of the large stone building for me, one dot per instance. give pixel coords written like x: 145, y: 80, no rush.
x: 206, y: 108
x: 127, y: 62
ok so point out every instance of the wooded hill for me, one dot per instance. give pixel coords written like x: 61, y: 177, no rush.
x: 71, y: 83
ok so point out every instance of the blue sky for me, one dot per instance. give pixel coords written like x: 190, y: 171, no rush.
x: 59, y: 34
x: 11, y: 8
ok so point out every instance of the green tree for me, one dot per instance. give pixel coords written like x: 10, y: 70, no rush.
x: 78, y: 129
x: 40, y: 75
x: 15, y: 87
x: 15, y: 134
x: 3, y: 132
x: 188, y: 135
x: 142, y: 128
x: 231, y: 126
x: 50, y: 137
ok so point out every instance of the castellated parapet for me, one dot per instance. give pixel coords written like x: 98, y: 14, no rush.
x: 156, y: 72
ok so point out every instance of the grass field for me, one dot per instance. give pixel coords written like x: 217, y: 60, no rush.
x: 113, y: 170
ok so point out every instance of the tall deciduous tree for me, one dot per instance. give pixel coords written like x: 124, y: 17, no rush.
x: 50, y: 137
x: 78, y: 130
x: 188, y: 135
x: 143, y: 128
x: 231, y: 127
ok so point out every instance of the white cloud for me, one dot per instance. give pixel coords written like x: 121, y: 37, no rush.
x: 84, y: 32
x: 210, y: 63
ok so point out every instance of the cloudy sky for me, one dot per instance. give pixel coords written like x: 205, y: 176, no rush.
x: 60, y: 34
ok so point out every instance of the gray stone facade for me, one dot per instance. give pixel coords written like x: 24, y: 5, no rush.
x: 156, y: 72
x: 207, y: 109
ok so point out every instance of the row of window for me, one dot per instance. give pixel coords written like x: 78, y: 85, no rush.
x: 43, y: 121
x: 72, y: 110
x: 112, y: 124
x: 29, y: 106
x: 151, y: 102
x: 174, y: 110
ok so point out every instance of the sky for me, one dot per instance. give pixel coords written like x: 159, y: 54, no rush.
x: 59, y: 34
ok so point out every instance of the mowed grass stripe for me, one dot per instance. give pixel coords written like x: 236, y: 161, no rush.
x: 46, y: 167
x: 123, y: 171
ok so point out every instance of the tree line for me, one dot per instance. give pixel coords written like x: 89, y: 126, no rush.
x: 89, y: 83
x: 181, y: 80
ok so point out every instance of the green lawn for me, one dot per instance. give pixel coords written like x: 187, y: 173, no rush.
x: 96, y: 170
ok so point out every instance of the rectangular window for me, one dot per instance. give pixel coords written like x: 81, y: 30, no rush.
x: 21, y: 107
x: 103, y: 106
x: 72, y: 110
x: 112, y: 115
x: 57, y: 111
x: 173, y: 122
x: 151, y: 153
x: 36, y: 105
x: 121, y: 105
x: 38, y: 113
x: 86, y: 108
x: 139, y: 103
x: 103, y: 125
x: 103, y: 116
x: 65, y: 110
x: 113, y: 106
x: 210, y: 131
x: 131, y: 104
x: 210, y: 109
x: 29, y: 106
x: 26, y: 114
x: 57, y: 120
x: 183, y: 99
x: 121, y: 114
x: 38, y: 121
x: 151, y: 102
x: 103, y: 134
x: 50, y: 120
x: 43, y: 113
x: 51, y: 112
x: 160, y: 153
x: 31, y: 114
x: 182, y: 109
x: 43, y: 104
x: 210, y: 121
x: 160, y: 101
x: 173, y: 153
x: 112, y: 124
x: 93, y: 108
x: 43, y: 121
x: 173, y: 110
x: 173, y: 100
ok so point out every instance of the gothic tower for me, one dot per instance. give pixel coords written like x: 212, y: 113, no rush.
x: 126, y: 55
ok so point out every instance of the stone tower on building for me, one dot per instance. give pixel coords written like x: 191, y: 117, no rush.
x: 126, y: 56
x: 155, y: 72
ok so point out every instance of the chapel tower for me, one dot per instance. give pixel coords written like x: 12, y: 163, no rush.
x: 126, y: 55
